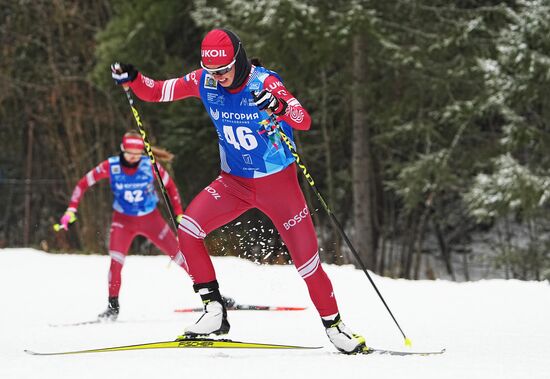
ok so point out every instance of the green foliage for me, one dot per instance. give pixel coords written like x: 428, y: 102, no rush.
x: 515, y: 95
x: 517, y: 82
x: 158, y: 37
x: 509, y: 189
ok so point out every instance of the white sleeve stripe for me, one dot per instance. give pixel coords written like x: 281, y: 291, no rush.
x: 173, y: 89
x: 172, y: 86
x: 90, y: 179
x: 294, y: 103
x: 168, y: 90
x: 165, y: 178
x: 163, y: 91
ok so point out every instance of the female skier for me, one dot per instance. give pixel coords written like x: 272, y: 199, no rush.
x: 257, y: 171
x: 132, y: 179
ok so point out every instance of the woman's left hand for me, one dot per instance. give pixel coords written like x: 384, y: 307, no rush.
x: 265, y: 100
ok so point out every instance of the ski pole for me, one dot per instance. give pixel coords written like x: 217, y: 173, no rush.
x: 145, y: 139
x: 333, y: 218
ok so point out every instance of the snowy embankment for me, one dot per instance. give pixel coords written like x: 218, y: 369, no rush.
x: 491, y: 329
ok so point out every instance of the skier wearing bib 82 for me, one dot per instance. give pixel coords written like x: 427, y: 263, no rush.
x: 257, y: 171
x: 132, y: 180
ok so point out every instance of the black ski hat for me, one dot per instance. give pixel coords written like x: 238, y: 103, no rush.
x: 242, y: 64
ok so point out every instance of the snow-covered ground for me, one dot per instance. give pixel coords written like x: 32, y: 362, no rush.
x: 491, y: 329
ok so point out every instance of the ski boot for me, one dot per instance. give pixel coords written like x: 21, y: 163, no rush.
x: 112, y: 311
x: 228, y: 302
x: 342, y: 337
x: 214, y: 318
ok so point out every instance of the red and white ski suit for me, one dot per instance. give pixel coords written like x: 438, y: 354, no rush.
x: 124, y: 228
x: 277, y: 195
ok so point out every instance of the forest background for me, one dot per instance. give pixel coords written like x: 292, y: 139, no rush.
x: 429, y: 141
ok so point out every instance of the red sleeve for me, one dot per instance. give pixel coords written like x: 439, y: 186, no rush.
x: 99, y: 172
x: 172, y: 190
x: 148, y: 89
x: 295, y: 115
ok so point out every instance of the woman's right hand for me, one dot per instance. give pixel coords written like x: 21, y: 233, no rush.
x: 123, y: 72
x: 68, y: 218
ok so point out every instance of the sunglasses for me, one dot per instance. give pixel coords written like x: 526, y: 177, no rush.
x: 224, y: 69
x: 133, y: 154
x: 130, y: 152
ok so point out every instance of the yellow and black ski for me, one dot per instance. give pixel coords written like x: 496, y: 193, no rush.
x: 185, y: 343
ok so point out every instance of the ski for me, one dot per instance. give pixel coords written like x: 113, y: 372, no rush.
x: 89, y: 322
x: 193, y: 343
x: 244, y: 307
x: 370, y: 350
x: 102, y: 322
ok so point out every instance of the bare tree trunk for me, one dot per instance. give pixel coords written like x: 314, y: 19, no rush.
x: 335, y: 252
x: 466, y: 267
x: 420, y: 242
x: 382, y: 253
x: 408, y: 250
x: 444, y: 250
x: 362, y: 175
x: 28, y: 189
x: 408, y: 253
x: 6, y: 216
x: 421, y: 231
x: 390, y: 260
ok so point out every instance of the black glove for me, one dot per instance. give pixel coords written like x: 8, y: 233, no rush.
x: 266, y: 100
x: 123, y: 72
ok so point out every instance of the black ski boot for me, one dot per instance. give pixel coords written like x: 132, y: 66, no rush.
x: 112, y: 311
